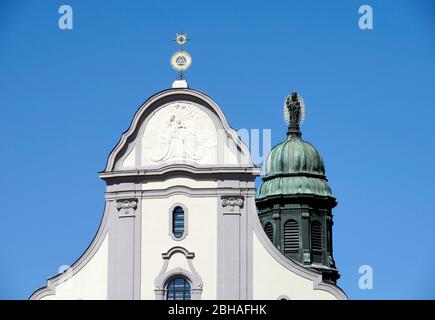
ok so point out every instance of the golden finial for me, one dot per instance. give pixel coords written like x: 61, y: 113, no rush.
x: 181, y: 60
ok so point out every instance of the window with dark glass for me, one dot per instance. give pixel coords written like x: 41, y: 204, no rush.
x: 178, y: 222
x: 268, y: 229
x: 291, y: 236
x: 178, y: 289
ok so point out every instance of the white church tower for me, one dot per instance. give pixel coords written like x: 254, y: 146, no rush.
x: 180, y: 219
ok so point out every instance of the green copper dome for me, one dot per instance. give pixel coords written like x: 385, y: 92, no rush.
x: 294, y: 201
x: 294, y: 166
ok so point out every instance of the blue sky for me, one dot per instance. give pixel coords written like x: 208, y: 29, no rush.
x: 66, y: 97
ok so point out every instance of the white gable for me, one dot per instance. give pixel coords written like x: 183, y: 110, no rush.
x: 179, y: 152
x: 188, y: 129
x: 178, y: 132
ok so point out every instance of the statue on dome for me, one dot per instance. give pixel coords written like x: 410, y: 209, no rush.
x: 294, y: 106
x: 294, y: 113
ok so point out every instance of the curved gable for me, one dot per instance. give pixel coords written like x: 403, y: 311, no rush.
x: 178, y: 126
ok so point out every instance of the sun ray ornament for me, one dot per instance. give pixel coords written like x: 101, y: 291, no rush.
x: 181, y: 60
x: 294, y: 113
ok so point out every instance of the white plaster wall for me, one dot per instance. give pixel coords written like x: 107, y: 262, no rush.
x: 186, y: 182
x: 90, y: 283
x: 178, y: 260
x: 232, y: 156
x: 130, y: 160
x: 201, y: 240
x: 271, y: 279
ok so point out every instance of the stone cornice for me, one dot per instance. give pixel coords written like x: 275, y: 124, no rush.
x: 197, y: 170
x: 204, y: 192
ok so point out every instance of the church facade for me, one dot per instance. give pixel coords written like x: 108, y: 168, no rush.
x: 183, y: 219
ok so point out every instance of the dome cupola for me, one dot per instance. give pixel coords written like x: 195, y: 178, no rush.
x: 294, y: 166
x: 294, y: 201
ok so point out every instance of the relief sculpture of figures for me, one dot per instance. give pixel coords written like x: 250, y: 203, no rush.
x: 177, y: 141
x: 184, y: 132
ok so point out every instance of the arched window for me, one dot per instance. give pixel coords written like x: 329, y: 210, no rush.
x: 178, y: 289
x: 291, y: 236
x: 178, y: 222
x: 268, y: 229
x: 316, y: 237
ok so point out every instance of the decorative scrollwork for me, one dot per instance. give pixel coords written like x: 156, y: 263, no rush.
x: 232, y: 202
x: 126, y: 206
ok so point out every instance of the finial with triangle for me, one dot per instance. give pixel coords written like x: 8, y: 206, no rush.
x: 181, y: 60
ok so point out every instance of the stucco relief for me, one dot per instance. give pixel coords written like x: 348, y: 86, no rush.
x: 179, y: 132
x: 126, y: 207
x: 232, y: 202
